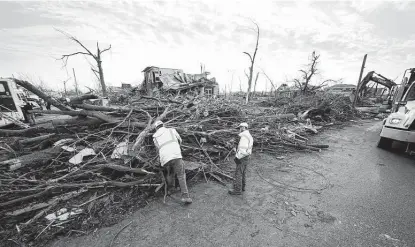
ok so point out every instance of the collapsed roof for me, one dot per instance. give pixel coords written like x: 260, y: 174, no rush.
x: 184, y: 81
x: 169, y: 79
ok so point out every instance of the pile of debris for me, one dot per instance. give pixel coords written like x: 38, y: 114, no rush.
x: 63, y: 175
x: 321, y: 107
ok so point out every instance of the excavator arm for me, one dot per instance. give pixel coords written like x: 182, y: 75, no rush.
x: 378, y: 78
x: 372, y: 76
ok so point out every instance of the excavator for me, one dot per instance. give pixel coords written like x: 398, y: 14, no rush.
x: 400, y: 124
x: 363, y: 89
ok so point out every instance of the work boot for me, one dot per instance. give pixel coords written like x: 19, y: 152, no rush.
x: 186, y: 198
x: 234, y: 192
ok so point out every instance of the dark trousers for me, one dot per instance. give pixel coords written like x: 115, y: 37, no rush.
x: 240, y: 175
x: 31, y: 118
x: 25, y: 115
x: 176, y: 166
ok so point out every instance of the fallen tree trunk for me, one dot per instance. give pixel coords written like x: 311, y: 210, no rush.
x: 101, y: 108
x: 318, y: 145
x: 300, y: 146
x: 47, y: 128
x: 42, y: 95
x: 82, y: 121
x: 25, y: 198
x: 51, y: 202
x: 98, y: 115
x: 123, y: 168
x: 25, y: 132
x: 71, y: 185
x: 80, y: 99
x: 31, y: 159
x: 36, y: 139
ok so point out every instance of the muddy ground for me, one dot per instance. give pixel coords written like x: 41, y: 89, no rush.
x: 353, y: 194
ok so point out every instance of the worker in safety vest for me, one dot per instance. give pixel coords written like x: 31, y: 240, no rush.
x: 241, y: 159
x: 168, y: 141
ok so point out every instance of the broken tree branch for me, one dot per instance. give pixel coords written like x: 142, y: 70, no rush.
x: 42, y: 95
x: 106, y: 49
x: 123, y: 168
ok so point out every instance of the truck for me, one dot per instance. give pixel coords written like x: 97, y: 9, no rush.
x: 400, y: 124
x: 11, y: 101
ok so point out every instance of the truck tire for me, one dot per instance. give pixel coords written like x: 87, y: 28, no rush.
x: 385, y: 143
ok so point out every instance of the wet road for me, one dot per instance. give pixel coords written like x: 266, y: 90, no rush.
x: 373, y: 193
x: 370, y: 201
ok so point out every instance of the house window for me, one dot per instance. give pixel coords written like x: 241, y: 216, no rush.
x: 208, y: 92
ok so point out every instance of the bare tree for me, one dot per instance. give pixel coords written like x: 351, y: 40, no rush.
x: 98, y: 70
x: 240, y: 85
x: 307, y: 74
x: 231, y: 83
x: 256, y: 79
x: 252, y: 60
x: 304, y: 82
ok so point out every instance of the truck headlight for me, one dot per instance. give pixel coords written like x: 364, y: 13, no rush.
x: 395, y: 120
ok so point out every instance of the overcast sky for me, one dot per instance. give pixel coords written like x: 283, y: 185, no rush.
x: 183, y: 34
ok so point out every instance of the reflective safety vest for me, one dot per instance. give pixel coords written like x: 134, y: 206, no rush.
x: 245, y: 145
x: 167, y: 140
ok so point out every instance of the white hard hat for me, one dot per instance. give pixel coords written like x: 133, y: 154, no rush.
x: 243, y: 125
x: 158, y: 123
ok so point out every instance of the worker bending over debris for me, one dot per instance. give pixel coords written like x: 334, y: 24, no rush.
x: 29, y: 117
x: 241, y: 159
x: 168, y: 141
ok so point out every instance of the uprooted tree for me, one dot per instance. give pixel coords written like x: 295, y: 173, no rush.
x: 304, y: 82
x: 251, y: 68
x: 98, y: 70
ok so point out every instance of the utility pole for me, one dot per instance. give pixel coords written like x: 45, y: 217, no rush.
x: 64, y: 87
x: 76, y: 83
x: 356, y: 95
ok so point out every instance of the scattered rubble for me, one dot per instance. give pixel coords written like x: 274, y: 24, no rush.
x: 103, y: 160
x: 321, y: 107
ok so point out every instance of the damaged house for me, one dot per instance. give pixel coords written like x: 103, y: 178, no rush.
x: 285, y: 91
x: 176, y: 81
